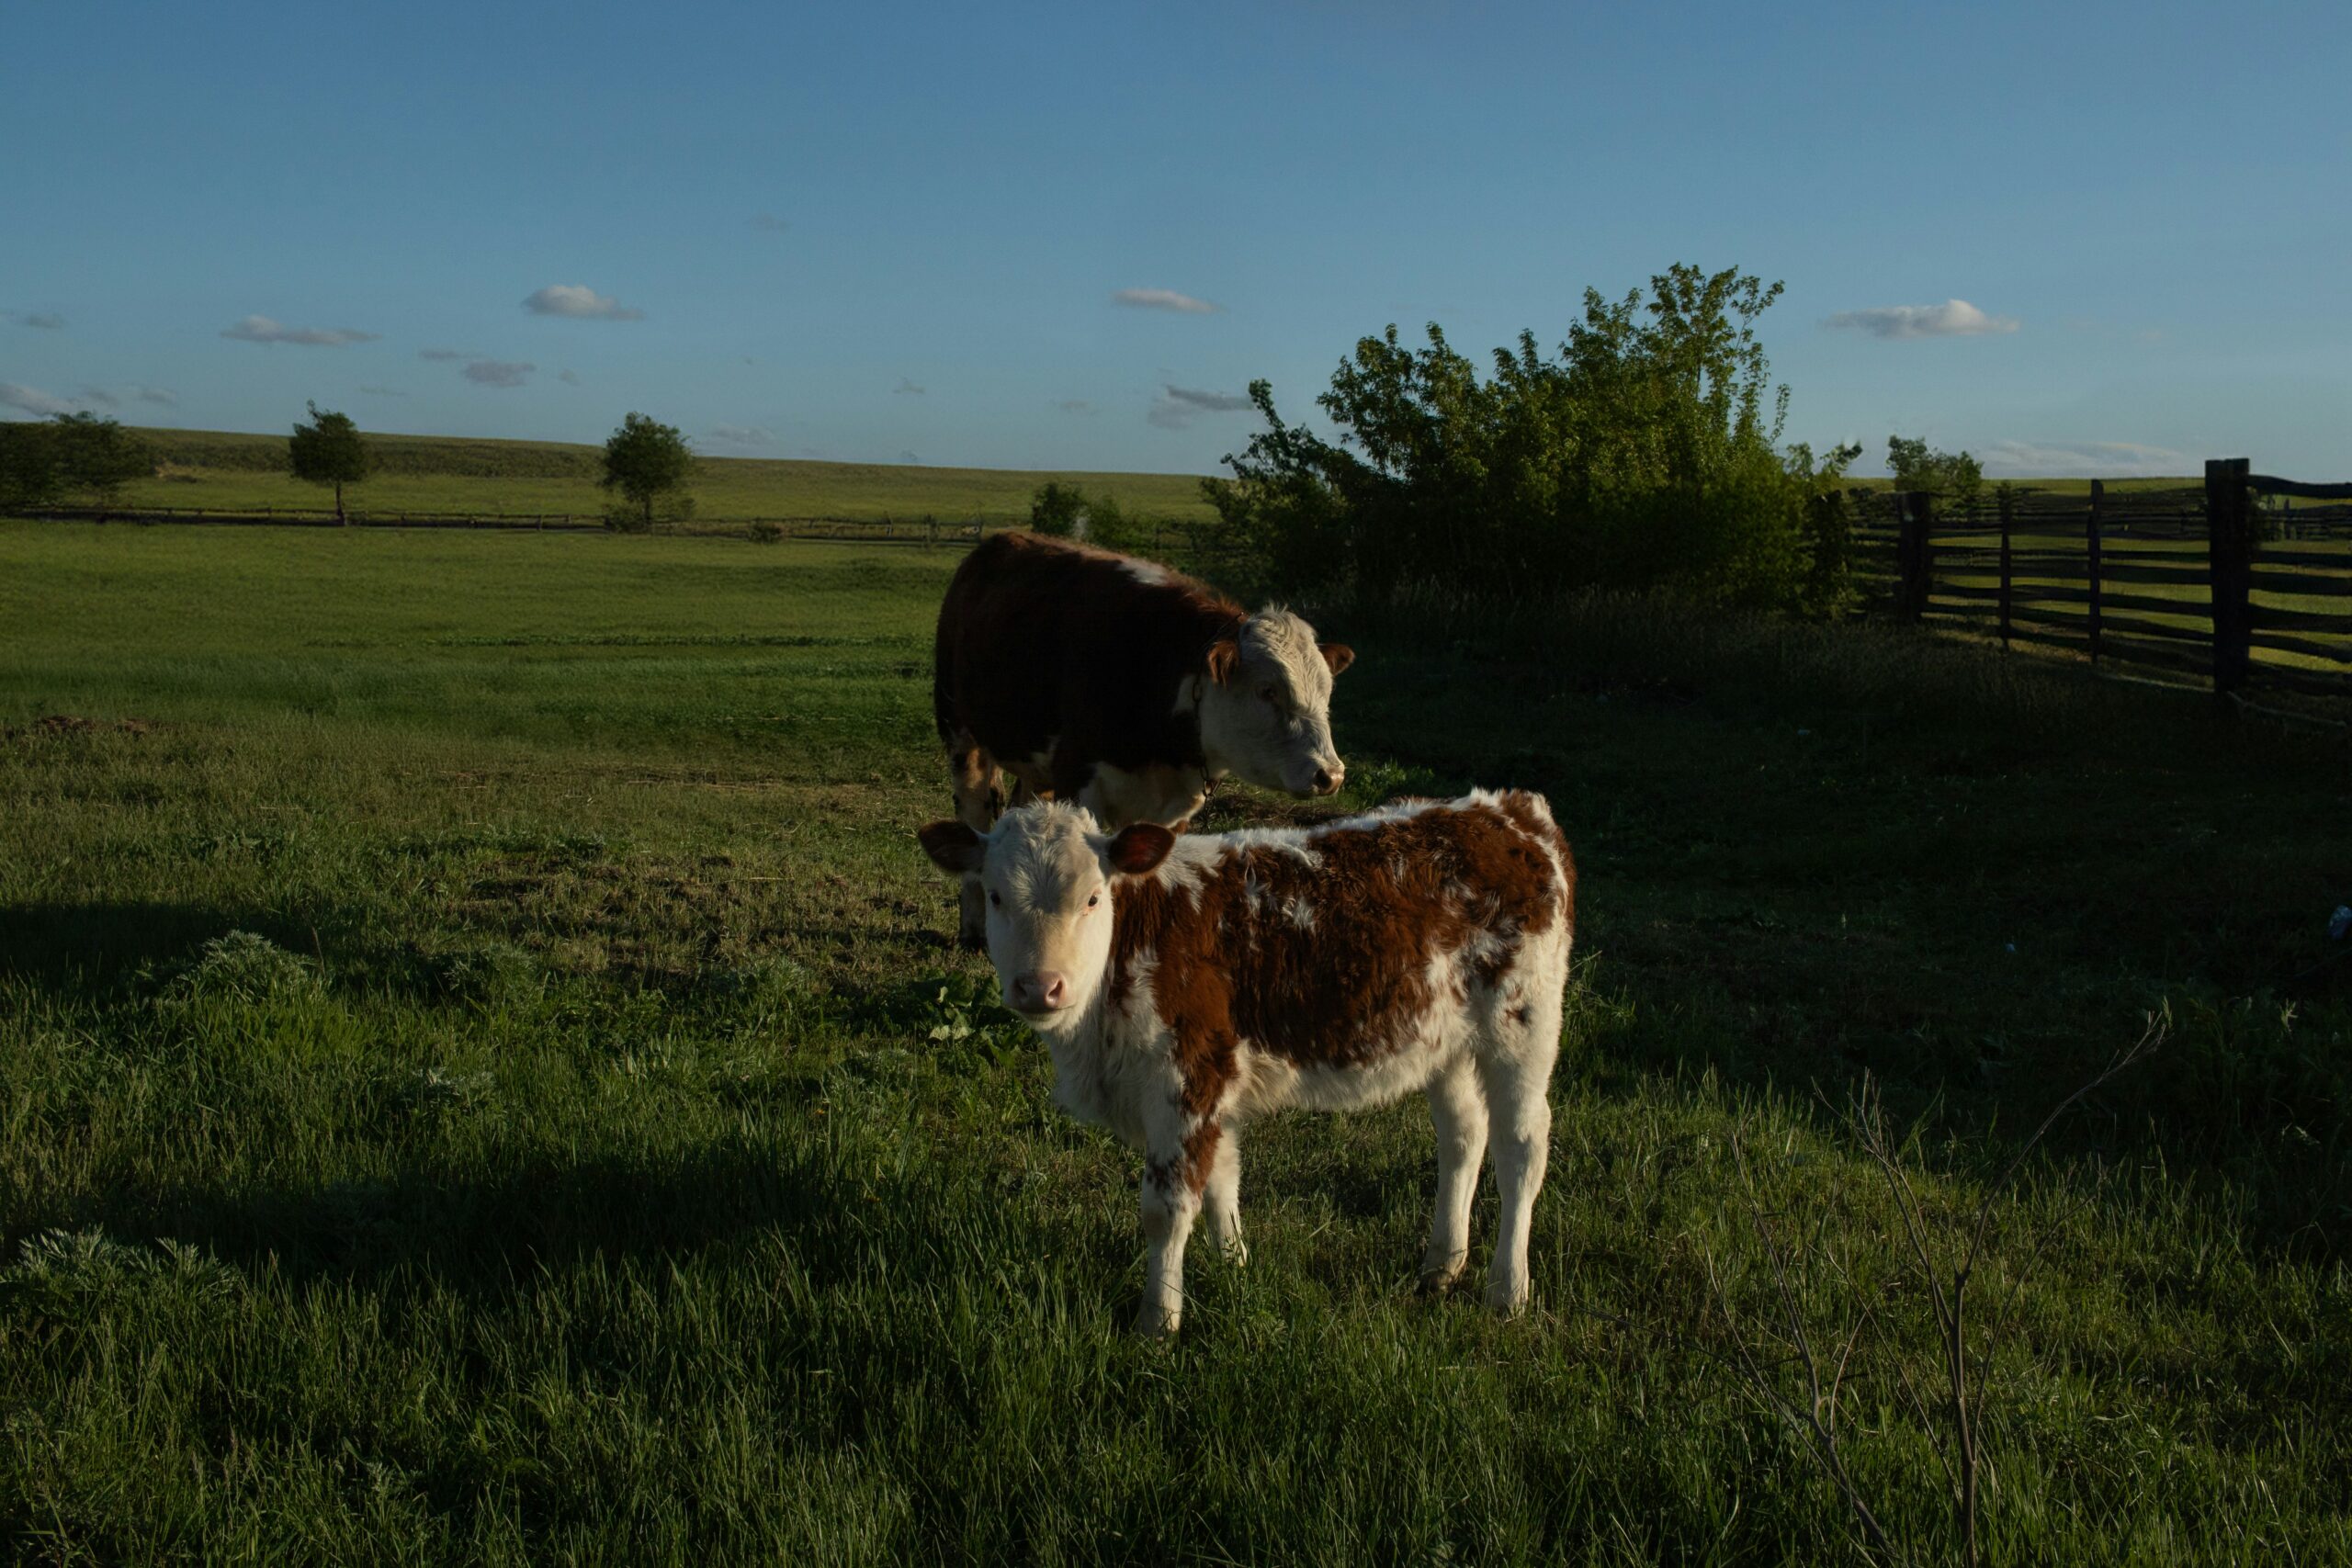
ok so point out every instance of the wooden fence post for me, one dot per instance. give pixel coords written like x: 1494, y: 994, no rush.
x: 2229, y: 525
x: 1914, y: 557
x: 2009, y: 517
x: 2091, y: 557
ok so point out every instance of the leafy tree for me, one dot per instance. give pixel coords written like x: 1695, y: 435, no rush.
x: 1644, y: 454
x: 1055, y: 509
x: 1954, y: 478
x: 97, y: 457
x: 646, y: 460
x: 28, y: 470
x: 328, y: 451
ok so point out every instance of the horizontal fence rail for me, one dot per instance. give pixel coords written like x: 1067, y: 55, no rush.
x: 2235, y: 583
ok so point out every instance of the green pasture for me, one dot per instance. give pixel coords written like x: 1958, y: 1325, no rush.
x: 484, y: 1077
x: 222, y: 471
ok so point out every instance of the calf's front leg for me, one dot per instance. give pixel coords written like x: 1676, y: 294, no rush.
x: 1170, y: 1204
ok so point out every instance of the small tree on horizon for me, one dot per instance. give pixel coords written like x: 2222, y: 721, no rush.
x: 328, y: 451
x: 1055, y: 509
x: 28, y: 476
x: 1952, y: 478
x: 97, y: 457
x: 645, y: 459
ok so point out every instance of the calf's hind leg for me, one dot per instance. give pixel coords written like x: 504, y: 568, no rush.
x: 1516, y: 1077
x: 972, y: 773
x: 1458, y: 1107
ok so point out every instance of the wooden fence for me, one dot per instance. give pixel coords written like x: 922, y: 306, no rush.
x: 2232, y: 583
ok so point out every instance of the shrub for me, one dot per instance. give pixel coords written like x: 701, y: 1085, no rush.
x: 1644, y: 455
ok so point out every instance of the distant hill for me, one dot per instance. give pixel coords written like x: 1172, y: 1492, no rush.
x: 225, y: 469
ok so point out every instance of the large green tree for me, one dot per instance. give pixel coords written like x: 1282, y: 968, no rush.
x: 1645, y: 452
x: 646, y: 460
x: 328, y: 451
x: 97, y: 457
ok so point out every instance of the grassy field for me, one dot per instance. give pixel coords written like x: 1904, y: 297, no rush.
x: 218, y: 470
x: 483, y: 1077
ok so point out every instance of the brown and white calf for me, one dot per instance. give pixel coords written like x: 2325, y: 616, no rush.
x: 1186, y: 985
x: 1122, y: 686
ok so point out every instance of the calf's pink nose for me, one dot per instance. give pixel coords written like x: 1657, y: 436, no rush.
x: 1041, y: 990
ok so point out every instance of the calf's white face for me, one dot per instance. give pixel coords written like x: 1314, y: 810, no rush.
x: 1266, y: 706
x: 1048, y: 878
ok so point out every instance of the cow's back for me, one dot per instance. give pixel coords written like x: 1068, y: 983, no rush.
x: 1041, y: 641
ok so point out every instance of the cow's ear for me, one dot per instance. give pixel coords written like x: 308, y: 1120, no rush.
x: 1224, y: 661
x: 953, y: 847
x: 1338, y: 655
x: 1140, y: 848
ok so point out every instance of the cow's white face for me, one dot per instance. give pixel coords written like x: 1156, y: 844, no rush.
x: 1049, y: 879
x: 1265, y: 706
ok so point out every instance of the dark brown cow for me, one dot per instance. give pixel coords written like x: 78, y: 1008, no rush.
x: 1187, y: 984
x: 1121, y: 686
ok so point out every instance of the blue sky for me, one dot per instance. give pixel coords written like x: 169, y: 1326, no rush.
x: 887, y: 234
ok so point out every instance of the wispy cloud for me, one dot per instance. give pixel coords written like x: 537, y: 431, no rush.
x: 101, y: 397
x: 769, y: 223
x: 2083, y: 459
x: 907, y: 388
x: 499, y: 372
x: 1074, y: 405
x: 1953, y: 318
x: 162, y: 395
x: 383, y: 392
x: 47, y: 320
x: 33, y: 401
x: 1164, y: 299
x: 448, y: 353
x: 1177, y: 407
x: 579, y: 301
x: 262, y: 330
x: 742, y: 436
x: 569, y: 378
x: 910, y: 459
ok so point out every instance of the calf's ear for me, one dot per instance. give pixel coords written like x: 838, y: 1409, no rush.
x: 1138, y: 848
x: 953, y: 847
x: 1338, y: 655
x: 1224, y: 661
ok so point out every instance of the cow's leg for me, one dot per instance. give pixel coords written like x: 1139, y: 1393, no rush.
x: 972, y: 773
x: 1458, y: 1107
x: 1517, y: 1075
x: 1176, y: 1168
x: 1221, y: 1199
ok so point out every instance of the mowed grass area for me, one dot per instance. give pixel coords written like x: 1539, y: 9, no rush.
x: 223, y: 471
x: 593, y: 1149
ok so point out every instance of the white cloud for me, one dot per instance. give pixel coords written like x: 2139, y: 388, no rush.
x: 2083, y: 459
x: 100, y: 397
x: 579, y: 301
x: 1164, y: 299
x: 162, y: 395
x: 569, y: 378
x: 262, y: 330
x: 1953, y: 318
x: 1074, y: 405
x: 448, y: 353
x: 497, y: 373
x: 907, y: 388
x: 33, y: 401
x: 741, y: 436
x: 383, y: 391
x: 1177, y: 407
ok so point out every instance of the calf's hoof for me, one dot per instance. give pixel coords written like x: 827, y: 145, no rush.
x: 1508, y: 1298
x: 1438, y: 1279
